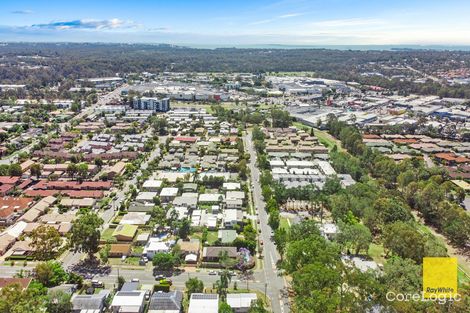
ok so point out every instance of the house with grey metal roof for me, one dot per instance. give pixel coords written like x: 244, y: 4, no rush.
x: 95, y: 303
x: 166, y: 302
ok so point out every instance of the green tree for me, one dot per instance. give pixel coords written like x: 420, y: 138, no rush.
x: 222, y: 284
x: 15, y: 170
x: 225, y: 261
x: 75, y: 107
x: 317, y: 288
x: 13, y: 299
x: 280, y: 239
x: 99, y: 162
x: 58, y: 302
x: 50, y: 273
x: 35, y: 170
x: 354, y: 236
x: 225, y: 308
x: 46, y: 242
x: 274, y: 219
x: 104, y: 252
x: 120, y: 282
x: 194, y: 285
x: 257, y: 306
x: 85, y: 234
x: 82, y: 170
x: 184, y: 228
x: 404, y: 240
x: 163, y: 261
x: 72, y: 169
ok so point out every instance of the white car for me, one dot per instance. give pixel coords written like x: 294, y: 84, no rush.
x: 135, y: 280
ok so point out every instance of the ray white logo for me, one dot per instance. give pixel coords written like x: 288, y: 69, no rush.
x: 439, y: 282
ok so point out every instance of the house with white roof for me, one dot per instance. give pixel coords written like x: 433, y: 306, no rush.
x: 135, y: 218
x: 128, y: 302
x: 168, y: 194
x: 203, y: 303
x: 241, y: 302
x: 156, y: 245
x: 146, y: 196
x: 232, y: 217
x: 231, y: 186
x: 210, y: 198
x: 152, y: 185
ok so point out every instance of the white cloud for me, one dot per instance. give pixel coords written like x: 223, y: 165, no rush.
x: 88, y: 24
x: 289, y: 15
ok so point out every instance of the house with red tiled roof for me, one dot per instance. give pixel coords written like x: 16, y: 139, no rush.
x: 451, y: 158
x: 7, y: 281
x: 12, y: 208
x: 370, y: 136
x: 7, y: 184
x: 186, y: 139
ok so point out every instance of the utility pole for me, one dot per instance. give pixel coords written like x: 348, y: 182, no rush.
x: 265, y: 292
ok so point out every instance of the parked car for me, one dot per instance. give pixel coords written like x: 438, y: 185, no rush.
x: 212, y: 273
x: 97, y: 284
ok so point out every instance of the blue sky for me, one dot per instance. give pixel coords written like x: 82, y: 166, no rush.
x: 242, y: 22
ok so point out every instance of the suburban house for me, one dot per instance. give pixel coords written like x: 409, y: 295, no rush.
x: 128, y: 302
x: 12, y: 208
x: 212, y: 254
x: 125, y: 232
x: 188, y: 199
x: 227, y: 236
x: 232, y: 217
x: 241, y: 302
x: 152, y: 185
x: 203, y: 303
x: 210, y: 198
x: 154, y: 246
x: 190, y: 250
x: 166, y: 302
x: 119, y: 250
x: 168, y: 194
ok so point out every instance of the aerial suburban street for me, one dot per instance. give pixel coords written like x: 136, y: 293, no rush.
x: 275, y: 283
x: 281, y: 156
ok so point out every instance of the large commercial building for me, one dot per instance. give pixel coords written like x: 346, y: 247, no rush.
x: 152, y: 104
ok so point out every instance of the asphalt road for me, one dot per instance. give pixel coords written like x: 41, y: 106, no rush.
x: 274, y: 282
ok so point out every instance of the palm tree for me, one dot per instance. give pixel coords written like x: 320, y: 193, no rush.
x: 222, y: 284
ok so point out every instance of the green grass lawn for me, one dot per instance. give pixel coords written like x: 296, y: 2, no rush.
x: 212, y: 236
x: 107, y: 234
x: 285, y: 223
x: 375, y: 252
x: 462, y: 277
x: 137, y: 249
